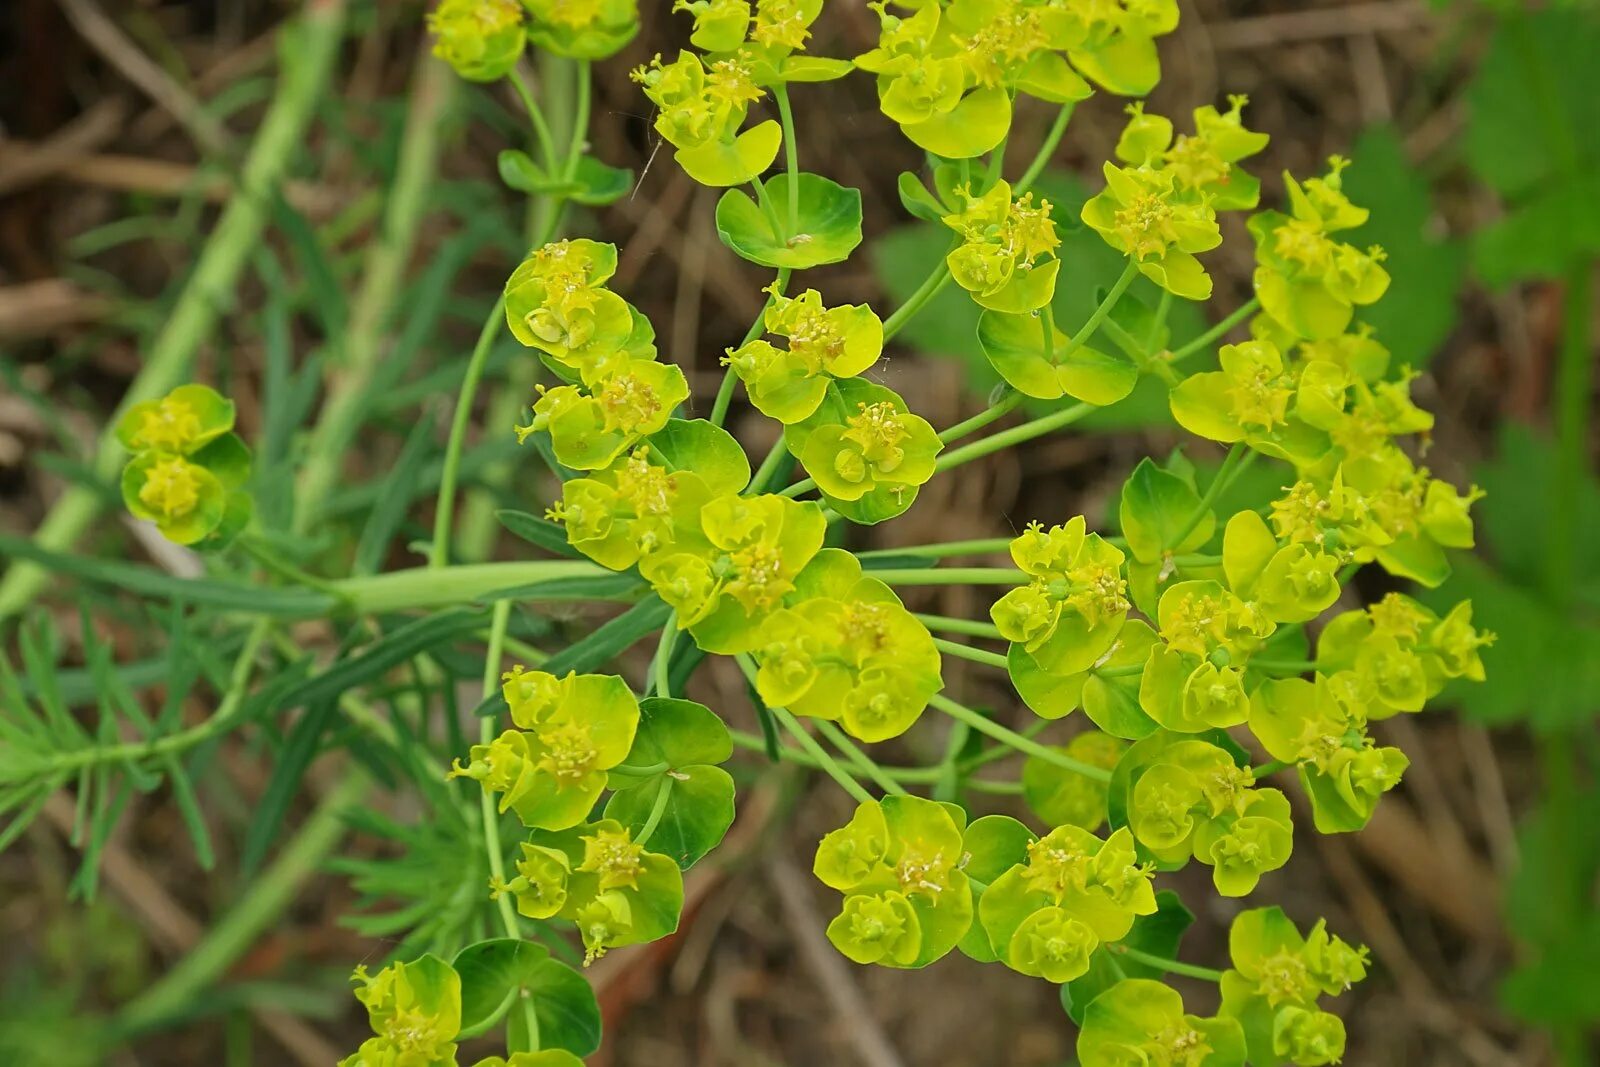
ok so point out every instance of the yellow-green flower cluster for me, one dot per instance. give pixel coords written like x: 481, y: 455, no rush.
x: 1309, y: 282
x: 898, y: 864
x: 1045, y: 916
x: 702, y: 106
x: 947, y: 73
x: 571, y: 731
x: 598, y: 877
x: 1007, y: 256
x: 482, y: 40
x: 823, y: 343
x: 1277, y: 977
x: 556, y: 302
x: 189, y: 467
x: 846, y: 649
x: 415, y: 1012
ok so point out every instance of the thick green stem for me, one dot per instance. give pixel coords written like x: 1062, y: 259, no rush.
x: 1086, y: 331
x: 960, y: 626
x: 951, y: 576
x: 658, y: 809
x: 719, y: 407
x: 351, y: 371
x: 791, y: 155
x: 429, y: 587
x: 209, y: 292
x: 1239, y: 459
x: 939, y: 550
x: 1046, y: 149
x: 541, y: 126
x: 863, y: 762
x: 930, y: 288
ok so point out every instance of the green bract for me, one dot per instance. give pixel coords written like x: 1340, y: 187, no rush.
x: 865, y: 450
x: 415, y: 1010
x: 480, y: 39
x: 1145, y: 214
x: 1006, y: 258
x: 825, y: 226
x: 1200, y: 615
x: 847, y: 650
x: 573, y: 730
x: 582, y: 29
x: 597, y: 876
x: 1309, y: 282
x: 1038, y: 360
x: 189, y: 468
x: 725, y: 578
x: 1071, y: 611
x: 591, y: 425
x: 702, y: 107
x: 1046, y: 916
x: 789, y: 383
x: 898, y: 864
x: 1188, y: 798
x: 1273, y: 988
x: 1141, y: 1021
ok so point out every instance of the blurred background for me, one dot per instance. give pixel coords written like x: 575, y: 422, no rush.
x: 1475, y: 132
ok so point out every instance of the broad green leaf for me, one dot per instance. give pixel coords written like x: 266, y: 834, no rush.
x: 706, y: 449
x: 1015, y: 346
x: 726, y: 163
x: 699, y: 810
x: 1157, y: 506
x: 678, y: 733
x: 563, y: 1001
x: 977, y: 124
x: 827, y: 225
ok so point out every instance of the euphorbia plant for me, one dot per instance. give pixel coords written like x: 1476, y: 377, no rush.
x: 1182, y: 639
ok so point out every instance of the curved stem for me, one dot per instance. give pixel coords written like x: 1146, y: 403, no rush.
x: 1086, y: 331
x: 663, y: 661
x: 791, y: 154
x: 580, y: 124
x: 486, y: 733
x: 719, y: 407
x: 541, y: 126
x: 1016, y: 435
x: 863, y: 762
x: 1047, y: 148
x: 1022, y: 744
x: 1239, y: 458
x: 444, y: 509
x: 941, y: 549
x: 951, y: 576
x: 658, y: 809
x: 936, y: 280
x: 976, y: 655
x: 960, y: 626
x: 1170, y: 966
x: 992, y: 413
x: 1216, y: 331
